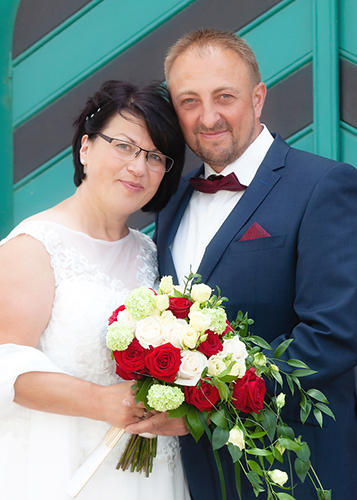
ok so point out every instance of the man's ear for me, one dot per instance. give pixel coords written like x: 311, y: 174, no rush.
x: 259, y: 93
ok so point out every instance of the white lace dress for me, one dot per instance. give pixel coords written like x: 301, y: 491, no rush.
x: 40, y: 451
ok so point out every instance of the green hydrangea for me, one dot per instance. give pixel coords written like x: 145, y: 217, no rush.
x: 218, y: 319
x: 141, y: 302
x: 119, y: 336
x: 165, y: 397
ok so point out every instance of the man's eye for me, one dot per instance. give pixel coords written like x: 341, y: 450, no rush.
x: 189, y: 100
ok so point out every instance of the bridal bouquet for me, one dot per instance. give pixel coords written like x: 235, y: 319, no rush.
x: 189, y: 361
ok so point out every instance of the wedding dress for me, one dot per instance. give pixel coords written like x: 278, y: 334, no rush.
x: 40, y: 451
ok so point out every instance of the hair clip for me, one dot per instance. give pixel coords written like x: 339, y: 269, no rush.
x: 91, y: 116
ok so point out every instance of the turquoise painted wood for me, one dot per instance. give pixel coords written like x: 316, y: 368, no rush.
x: 37, y: 193
x: 283, y: 42
x: 70, y: 55
x: 348, y: 31
x: 326, y: 79
x: 8, y: 9
x: 349, y: 145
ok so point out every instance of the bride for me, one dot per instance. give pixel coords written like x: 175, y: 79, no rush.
x: 62, y: 273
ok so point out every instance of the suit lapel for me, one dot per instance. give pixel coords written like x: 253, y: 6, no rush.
x: 262, y: 184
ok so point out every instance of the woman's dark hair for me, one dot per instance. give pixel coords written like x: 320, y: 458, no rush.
x: 150, y: 104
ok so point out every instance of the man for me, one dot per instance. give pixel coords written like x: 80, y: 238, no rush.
x: 284, y: 249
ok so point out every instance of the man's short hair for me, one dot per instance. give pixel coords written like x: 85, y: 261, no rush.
x: 203, y: 40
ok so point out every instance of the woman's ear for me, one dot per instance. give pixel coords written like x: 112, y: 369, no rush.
x: 83, y: 152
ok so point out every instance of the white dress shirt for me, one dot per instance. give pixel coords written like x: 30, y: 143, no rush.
x: 205, y: 213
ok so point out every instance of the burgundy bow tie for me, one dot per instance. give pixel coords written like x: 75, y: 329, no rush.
x: 216, y: 183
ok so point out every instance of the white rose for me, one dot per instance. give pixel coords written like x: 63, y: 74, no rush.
x: 167, y: 317
x: 236, y: 437
x: 162, y: 302
x: 175, y: 331
x: 190, y: 337
x: 150, y: 331
x: 125, y: 317
x: 235, y: 347
x: 216, y: 365
x: 199, y: 321
x: 238, y: 369
x: 166, y: 284
x: 278, y: 476
x: 201, y: 293
x: 280, y: 400
x: 192, y: 365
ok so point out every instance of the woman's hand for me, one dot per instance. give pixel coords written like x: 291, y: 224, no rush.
x: 119, y: 406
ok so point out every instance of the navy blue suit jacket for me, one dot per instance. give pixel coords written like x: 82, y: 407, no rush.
x: 299, y: 282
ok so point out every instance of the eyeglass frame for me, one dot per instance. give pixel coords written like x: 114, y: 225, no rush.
x: 139, y: 150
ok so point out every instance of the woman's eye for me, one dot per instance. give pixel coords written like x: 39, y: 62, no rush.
x: 156, y: 158
x: 124, y: 147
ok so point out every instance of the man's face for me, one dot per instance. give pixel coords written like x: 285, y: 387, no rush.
x: 217, y: 104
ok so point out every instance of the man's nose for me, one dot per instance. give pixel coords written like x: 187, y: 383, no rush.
x: 209, y: 115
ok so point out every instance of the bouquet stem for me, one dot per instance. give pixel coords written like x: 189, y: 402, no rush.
x: 139, y: 454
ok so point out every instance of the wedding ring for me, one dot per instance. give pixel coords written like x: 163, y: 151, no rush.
x: 144, y: 414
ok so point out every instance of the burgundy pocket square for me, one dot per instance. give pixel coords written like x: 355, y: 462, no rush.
x: 255, y: 231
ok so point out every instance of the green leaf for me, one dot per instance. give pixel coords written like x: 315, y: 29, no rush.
x: 284, y: 496
x: 277, y: 376
x: 260, y: 342
x: 318, y: 416
x: 289, y: 444
x: 257, y: 435
x: 222, y: 388
x: 235, y: 451
x: 303, y: 373
x: 304, y: 453
x: 304, y: 413
x: 303, y: 401
x: 290, y: 384
x: 302, y: 468
x: 255, y: 481
x: 325, y: 409
x: 219, y: 438
x: 285, y: 431
x: 194, y: 423
x: 314, y: 393
x: 296, y: 381
x: 237, y: 478
x: 297, y: 363
x: 255, y: 467
x: 324, y: 494
x: 282, y: 348
x: 181, y: 411
x: 259, y: 452
x: 219, y: 418
x: 269, y: 423
x: 144, y: 387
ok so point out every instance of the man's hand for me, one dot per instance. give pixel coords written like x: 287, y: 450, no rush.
x: 159, y: 423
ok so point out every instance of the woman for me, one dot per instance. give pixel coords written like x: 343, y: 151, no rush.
x: 62, y: 273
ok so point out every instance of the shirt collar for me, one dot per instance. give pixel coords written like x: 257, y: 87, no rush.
x: 246, y: 166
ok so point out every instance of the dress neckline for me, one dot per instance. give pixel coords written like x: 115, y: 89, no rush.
x: 81, y: 233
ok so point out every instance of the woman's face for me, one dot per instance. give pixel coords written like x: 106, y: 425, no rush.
x: 117, y: 186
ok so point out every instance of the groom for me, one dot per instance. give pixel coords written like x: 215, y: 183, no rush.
x: 279, y: 239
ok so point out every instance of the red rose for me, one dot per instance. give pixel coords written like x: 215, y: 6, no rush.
x: 249, y: 392
x: 131, y: 362
x: 164, y: 362
x: 114, y: 316
x: 211, y: 345
x: 179, y: 306
x: 203, y: 398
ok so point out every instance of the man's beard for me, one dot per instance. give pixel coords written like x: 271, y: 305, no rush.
x: 216, y: 156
